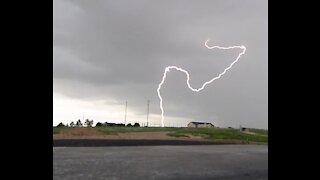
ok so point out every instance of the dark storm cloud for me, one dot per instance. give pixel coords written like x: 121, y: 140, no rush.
x: 119, y: 49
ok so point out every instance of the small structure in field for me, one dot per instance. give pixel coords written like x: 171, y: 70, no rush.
x: 243, y: 129
x: 200, y: 125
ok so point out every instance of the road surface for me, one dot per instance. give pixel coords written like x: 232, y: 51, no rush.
x: 161, y: 162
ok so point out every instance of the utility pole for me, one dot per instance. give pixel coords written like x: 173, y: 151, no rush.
x: 125, y: 114
x: 148, y: 112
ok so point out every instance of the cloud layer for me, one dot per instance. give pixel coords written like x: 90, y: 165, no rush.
x: 116, y: 51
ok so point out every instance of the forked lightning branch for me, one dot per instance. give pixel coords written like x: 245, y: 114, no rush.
x: 168, y: 68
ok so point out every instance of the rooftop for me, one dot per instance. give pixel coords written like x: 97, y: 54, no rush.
x: 200, y: 122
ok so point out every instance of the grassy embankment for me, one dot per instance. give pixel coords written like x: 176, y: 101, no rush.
x: 226, y: 134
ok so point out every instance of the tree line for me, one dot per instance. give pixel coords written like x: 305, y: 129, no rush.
x: 89, y: 123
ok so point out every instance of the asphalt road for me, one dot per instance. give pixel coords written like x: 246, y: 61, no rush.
x: 161, y: 162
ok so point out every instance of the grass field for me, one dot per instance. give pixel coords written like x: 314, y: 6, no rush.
x: 57, y: 130
x: 250, y: 135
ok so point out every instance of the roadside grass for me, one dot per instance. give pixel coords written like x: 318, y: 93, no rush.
x: 57, y: 130
x: 226, y: 134
x: 258, y: 131
x: 251, y: 135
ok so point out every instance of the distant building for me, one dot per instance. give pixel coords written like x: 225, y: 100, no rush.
x: 200, y: 125
x: 243, y: 129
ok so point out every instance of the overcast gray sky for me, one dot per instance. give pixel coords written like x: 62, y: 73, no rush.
x: 107, y: 52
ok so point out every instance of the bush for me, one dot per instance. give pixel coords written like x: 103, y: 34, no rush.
x: 120, y: 124
x: 114, y: 124
x: 136, y: 125
x: 129, y: 125
x: 61, y: 125
x: 72, y: 124
x: 99, y: 124
x: 88, y: 123
x: 79, y: 123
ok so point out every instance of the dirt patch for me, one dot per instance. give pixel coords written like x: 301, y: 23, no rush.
x: 91, y: 133
x: 252, y: 133
x: 78, y: 132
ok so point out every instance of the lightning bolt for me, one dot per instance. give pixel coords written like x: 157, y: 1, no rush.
x: 168, y: 68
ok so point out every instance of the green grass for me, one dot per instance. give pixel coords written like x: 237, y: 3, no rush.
x: 259, y: 131
x: 225, y: 134
x: 257, y: 135
x: 57, y: 130
x: 251, y: 135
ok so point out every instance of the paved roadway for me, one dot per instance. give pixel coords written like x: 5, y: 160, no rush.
x: 161, y: 162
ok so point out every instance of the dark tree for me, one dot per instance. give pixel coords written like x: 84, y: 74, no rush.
x: 136, y: 125
x: 88, y: 123
x: 61, y: 125
x: 99, y: 124
x: 114, y: 124
x: 110, y: 124
x: 129, y: 125
x: 79, y: 123
x: 72, y: 124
